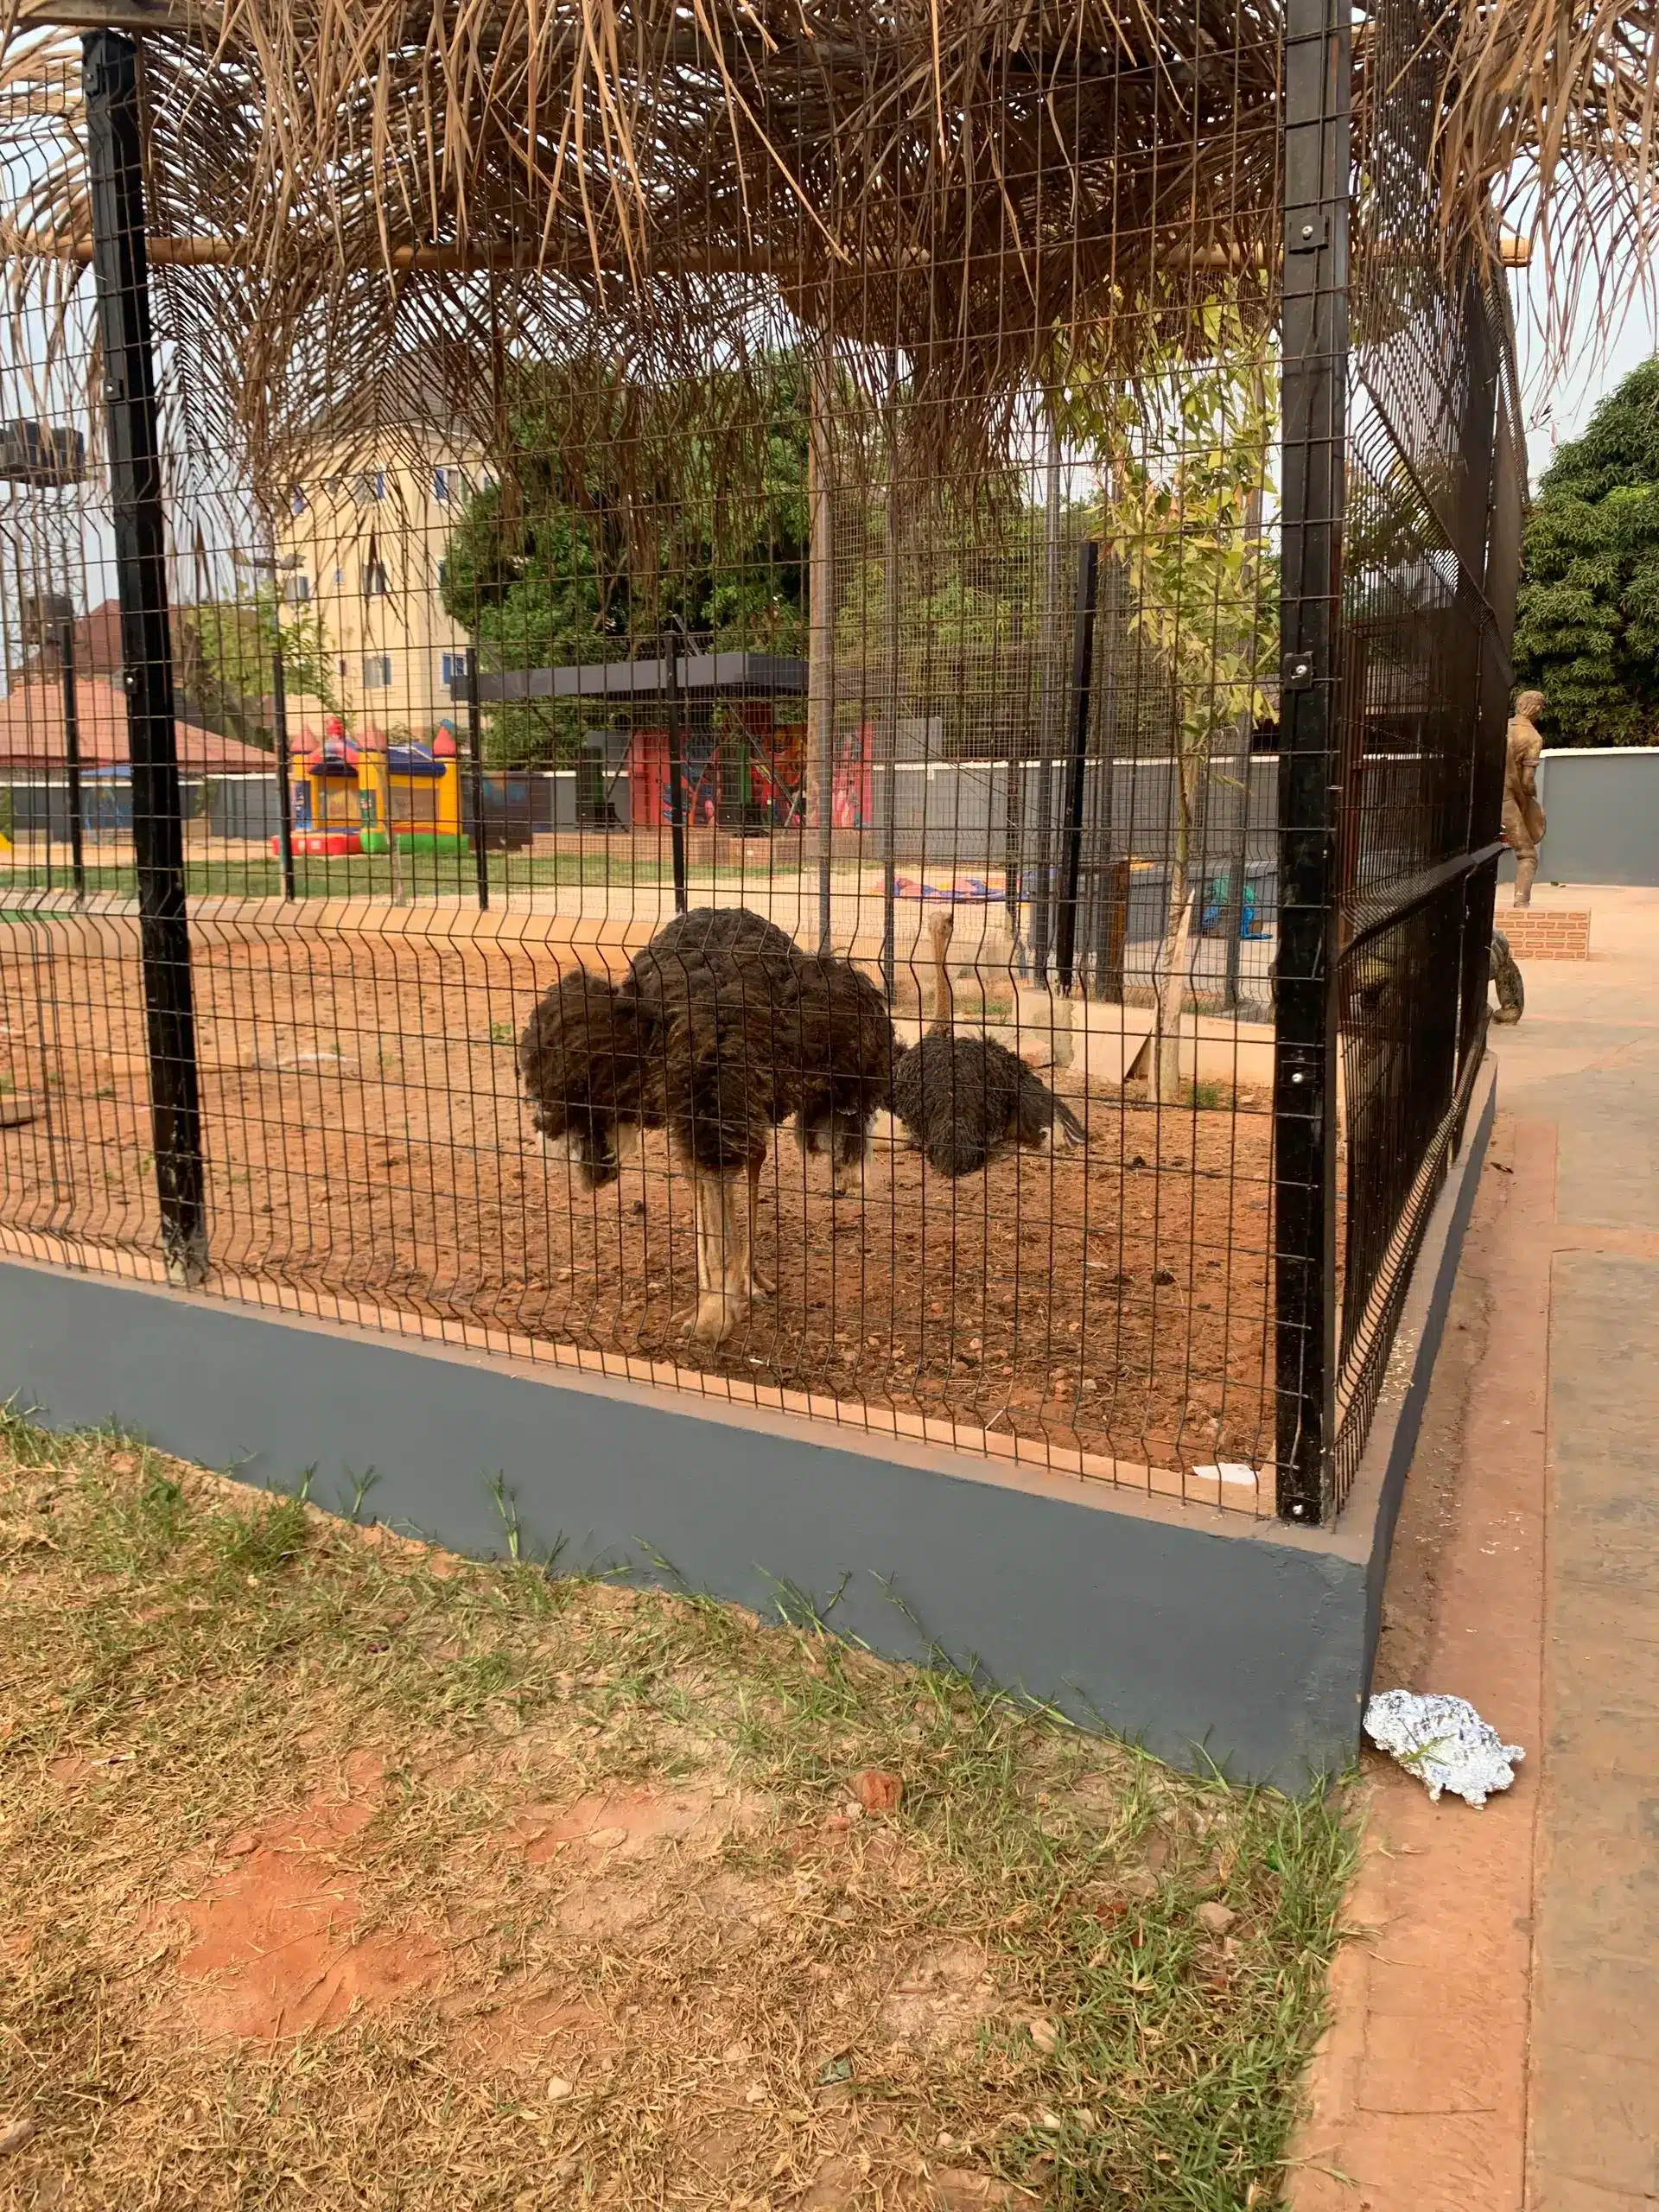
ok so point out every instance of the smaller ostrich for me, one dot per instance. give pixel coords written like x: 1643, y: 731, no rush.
x: 962, y: 1099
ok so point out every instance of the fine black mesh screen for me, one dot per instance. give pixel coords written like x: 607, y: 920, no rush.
x: 1432, y: 486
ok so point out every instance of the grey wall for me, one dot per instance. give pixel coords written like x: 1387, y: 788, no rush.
x: 956, y: 811
x: 1603, y: 817
x: 244, y: 806
x: 1164, y: 1626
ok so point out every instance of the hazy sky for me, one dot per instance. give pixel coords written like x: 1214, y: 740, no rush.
x: 1572, y: 396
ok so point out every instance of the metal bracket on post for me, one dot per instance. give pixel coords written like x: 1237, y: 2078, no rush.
x: 121, y: 268
x: 1318, y: 62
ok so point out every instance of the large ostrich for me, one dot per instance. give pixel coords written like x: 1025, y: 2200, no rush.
x: 589, y: 1056
x: 721, y: 1031
x: 962, y: 1099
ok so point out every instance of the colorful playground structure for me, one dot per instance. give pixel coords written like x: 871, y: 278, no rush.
x: 357, y: 795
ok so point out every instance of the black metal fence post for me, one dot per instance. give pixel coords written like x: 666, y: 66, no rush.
x: 285, y: 788
x: 1110, y: 919
x: 475, y: 784
x: 72, y: 758
x: 1318, y: 60
x: 676, y: 761
x: 121, y: 268
x: 1082, y: 677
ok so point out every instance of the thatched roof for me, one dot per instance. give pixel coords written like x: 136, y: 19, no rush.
x: 995, y: 188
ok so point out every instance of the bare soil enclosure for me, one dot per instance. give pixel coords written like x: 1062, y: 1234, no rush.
x: 367, y: 1142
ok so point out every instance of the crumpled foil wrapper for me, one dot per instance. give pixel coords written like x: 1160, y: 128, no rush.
x: 1444, y: 1742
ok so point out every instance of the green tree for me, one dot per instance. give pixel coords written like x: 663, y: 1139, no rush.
x: 619, y: 509
x: 229, y: 649
x: 1189, y: 450
x: 1587, y: 626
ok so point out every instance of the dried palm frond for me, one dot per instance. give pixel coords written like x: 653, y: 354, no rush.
x: 1002, y: 194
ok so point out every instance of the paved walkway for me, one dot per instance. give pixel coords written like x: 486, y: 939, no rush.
x: 1495, y: 2041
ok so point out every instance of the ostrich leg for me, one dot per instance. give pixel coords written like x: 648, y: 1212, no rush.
x: 758, y: 1285
x: 705, y: 1277
x: 722, y: 1267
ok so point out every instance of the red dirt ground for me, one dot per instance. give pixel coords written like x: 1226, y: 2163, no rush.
x: 276, y: 1952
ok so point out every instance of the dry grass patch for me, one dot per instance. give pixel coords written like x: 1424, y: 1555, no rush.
x: 335, y: 1870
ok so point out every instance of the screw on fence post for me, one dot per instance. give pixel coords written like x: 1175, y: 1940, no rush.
x: 72, y: 758
x: 121, y: 269
x: 284, y: 787
x: 675, y: 759
x: 1082, y: 676
x: 476, y: 783
x: 1318, y: 58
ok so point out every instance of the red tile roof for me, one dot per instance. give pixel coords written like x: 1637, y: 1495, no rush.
x: 31, y: 733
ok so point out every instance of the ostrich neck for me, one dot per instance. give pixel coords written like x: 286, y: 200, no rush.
x: 944, y: 1007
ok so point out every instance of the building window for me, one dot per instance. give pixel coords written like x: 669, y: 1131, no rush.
x: 370, y: 484
x: 374, y: 579
x: 299, y: 590
x: 340, y: 575
x: 296, y: 502
x: 339, y: 669
x: 455, y: 670
x: 377, y: 671
x: 447, y: 484
x: 444, y: 574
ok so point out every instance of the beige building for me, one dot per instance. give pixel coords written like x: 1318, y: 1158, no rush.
x: 362, y: 548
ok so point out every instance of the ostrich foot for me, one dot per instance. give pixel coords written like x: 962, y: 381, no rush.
x: 719, y: 1313
x: 761, y: 1286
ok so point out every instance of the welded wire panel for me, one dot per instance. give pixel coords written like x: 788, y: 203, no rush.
x: 888, y: 573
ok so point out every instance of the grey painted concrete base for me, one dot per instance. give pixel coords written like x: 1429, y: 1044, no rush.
x: 1202, y: 1634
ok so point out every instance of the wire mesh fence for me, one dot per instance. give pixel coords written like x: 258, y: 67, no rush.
x: 716, y: 790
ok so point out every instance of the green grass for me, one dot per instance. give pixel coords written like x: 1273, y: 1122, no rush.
x: 421, y: 875
x: 180, y: 1660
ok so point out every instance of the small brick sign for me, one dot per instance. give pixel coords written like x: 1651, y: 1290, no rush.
x: 1546, y: 933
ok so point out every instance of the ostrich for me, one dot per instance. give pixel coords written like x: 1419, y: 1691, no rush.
x: 675, y: 965
x: 962, y: 1099
x: 721, y: 1031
